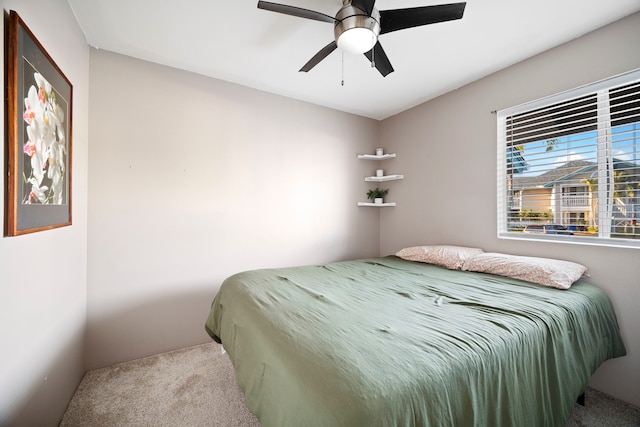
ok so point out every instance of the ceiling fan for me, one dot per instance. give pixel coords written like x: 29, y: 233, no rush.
x: 358, y: 24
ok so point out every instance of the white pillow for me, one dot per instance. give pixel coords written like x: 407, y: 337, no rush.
x: 544, y: 271
x: 451, y: 257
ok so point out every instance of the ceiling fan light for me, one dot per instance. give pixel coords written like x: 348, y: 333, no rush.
x: 357, y: 40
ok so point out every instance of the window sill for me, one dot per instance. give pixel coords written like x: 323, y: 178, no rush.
x: 572, y: 240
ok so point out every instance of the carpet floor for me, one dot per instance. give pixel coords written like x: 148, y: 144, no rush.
x: 196, y: 387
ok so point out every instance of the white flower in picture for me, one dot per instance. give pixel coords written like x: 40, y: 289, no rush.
x: 45, y: 145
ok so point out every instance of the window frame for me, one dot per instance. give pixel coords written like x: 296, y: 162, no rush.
x: 604, y: 140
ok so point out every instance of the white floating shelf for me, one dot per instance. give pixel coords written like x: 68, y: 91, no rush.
x: 376, y: 205
x: 383, y: 178
x: 376, y: 157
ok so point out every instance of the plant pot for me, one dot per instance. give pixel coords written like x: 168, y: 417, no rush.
x: 378, y: 200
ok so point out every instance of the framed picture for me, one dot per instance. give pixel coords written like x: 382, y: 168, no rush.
x: 38, y: 123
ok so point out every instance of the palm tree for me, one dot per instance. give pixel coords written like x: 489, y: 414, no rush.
x: 592, y: 184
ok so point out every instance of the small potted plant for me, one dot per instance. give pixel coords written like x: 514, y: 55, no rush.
x: 377, y: 195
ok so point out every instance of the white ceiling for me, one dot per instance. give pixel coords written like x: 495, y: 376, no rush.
x: 235, y: 41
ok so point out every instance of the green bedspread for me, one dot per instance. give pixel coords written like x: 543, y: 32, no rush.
x: 388, y: 342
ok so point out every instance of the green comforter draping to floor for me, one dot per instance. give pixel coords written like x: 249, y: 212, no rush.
x: 388, y: 342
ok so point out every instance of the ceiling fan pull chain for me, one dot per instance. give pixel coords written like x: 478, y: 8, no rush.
x: 342, y: 83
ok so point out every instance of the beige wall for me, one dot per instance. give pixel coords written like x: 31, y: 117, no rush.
x: 447, y: 151
x: 194, y: 179
x: 43, y: 275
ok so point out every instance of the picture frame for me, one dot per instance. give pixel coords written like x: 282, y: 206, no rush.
x: 38, y: 124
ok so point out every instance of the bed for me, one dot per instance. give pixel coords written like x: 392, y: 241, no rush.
x: 391, y: 342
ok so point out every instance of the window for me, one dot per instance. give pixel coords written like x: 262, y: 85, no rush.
x: 573, y: 160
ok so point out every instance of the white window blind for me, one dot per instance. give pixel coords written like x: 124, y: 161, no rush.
x: 569, y: 165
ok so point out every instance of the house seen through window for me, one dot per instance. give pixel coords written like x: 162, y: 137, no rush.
x: 569, y: 165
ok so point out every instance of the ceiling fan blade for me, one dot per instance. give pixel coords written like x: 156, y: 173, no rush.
x: 295, y: 11
x: 399, y: 19
x: 366, y: 5
x: 380, y: 60
x: 324, y: 52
